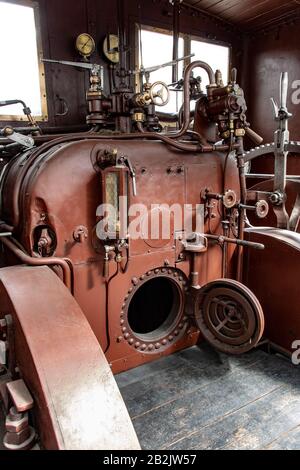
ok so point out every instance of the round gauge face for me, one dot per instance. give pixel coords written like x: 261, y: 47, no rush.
x: 111, y: 48
x: 85, y: 44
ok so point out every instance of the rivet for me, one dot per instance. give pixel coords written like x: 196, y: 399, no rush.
x: 127, y: 335
x: 150, y: 347
x: 143, y: 347
x: 131, y: 341
x: 149, y: 273
x: 130, y: 290
x: 119, y: 339
x: 181, y: 279
x: 170, y: 271
x: 156, y: 271
x: 163, y: 270
x: 126, y: 297
x: 124, y: 305
x: 164, y: 342
x: 185, y: 318
x: 134, y: 281
x: 157, y: 345
x: 124, y: 329
x: 181, y: 325
x: 142, y: 277
x: 171, y: 338
x: 137, y: 345
x: 122, y: 322
x: 175, y: 274
x: 176, y: 332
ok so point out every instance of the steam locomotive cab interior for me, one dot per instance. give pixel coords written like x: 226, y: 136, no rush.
x: 149, y: 219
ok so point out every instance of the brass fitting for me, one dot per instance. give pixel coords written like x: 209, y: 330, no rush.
x: 240, y: 132
x: 138, y: 117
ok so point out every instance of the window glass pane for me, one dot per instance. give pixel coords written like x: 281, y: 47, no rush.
x: 19, y: 77
x: 158, y: 49
x: 216, y: 56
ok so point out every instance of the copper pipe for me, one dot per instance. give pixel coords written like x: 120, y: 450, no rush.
x: 64, y: 263
x: 4, y: 226
x: 186, y: 92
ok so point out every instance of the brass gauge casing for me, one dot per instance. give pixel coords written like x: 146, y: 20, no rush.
x: 111, y: 48
x: 85, y: 45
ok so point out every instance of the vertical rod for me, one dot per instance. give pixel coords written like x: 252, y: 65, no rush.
x: 176, y: 12
x: 243, y: 188
x: 122, y: 42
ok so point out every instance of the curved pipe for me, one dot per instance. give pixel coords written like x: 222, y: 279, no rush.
x: 186, y: 92
x: 64, y: 264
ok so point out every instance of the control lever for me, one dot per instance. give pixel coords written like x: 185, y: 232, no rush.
x: 256, y: 139
x: 125, y: 161
x: 275, y: 108
x: 21, y: 139
x: 281, y: 138
x: 284, y: 83
x: 281, y: 113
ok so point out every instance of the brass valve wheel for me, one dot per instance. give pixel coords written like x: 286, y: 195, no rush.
x: 159, y: 94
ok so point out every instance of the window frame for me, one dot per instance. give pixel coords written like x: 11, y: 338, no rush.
x: 187, y: 41
x: 43, y: 94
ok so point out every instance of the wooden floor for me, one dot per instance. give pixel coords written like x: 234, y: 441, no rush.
x: 199, y: 399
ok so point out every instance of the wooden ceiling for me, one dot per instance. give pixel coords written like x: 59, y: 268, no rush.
x: 249, y: 14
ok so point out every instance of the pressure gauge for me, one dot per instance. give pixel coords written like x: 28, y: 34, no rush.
x: 111, y: 48
x: 85, y: 45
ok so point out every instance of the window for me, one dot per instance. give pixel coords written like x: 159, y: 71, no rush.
x: 215, y: 55
x: 22, y: 73
x: 157, y: 48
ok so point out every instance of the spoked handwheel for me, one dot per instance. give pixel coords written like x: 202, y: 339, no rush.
x: 229, y: 316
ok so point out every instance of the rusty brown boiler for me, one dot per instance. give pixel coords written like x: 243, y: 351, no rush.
x: 134, y: 298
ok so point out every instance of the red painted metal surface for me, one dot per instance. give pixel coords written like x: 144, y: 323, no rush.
x: 274, y: 280
x: 62, y: 190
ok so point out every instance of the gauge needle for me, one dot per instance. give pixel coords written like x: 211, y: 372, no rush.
x: 86, y: 43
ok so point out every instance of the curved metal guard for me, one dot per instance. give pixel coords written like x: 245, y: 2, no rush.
x: 77, y: 401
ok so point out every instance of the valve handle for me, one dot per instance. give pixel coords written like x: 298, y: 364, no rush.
x: 257, y: 139
x: 161, y: 96
x: 275, y: 108
x: 284, y: 84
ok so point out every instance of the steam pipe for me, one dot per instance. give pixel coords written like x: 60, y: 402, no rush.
x: 186, y: 92
x: 64, y: 263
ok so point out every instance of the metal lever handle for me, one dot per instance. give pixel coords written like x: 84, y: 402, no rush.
x: 284, y: 84
x: 257, y: 139
x: 275, y: 108
x: 126, y: 161
x: 235, y: 241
